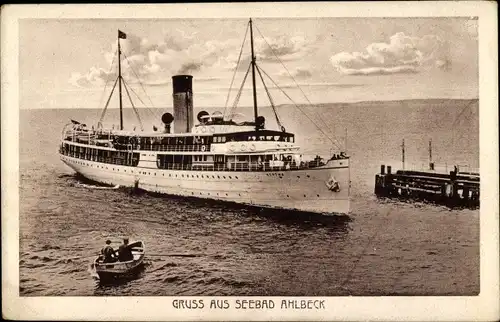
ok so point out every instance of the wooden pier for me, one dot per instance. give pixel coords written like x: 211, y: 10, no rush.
x: 456, y: 189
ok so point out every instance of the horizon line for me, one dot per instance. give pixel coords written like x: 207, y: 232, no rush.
x: 264, y: 106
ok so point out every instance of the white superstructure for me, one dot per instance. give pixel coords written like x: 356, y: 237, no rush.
x: 214, y: 159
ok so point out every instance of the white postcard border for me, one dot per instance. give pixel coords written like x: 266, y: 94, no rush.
x: 408, y: 308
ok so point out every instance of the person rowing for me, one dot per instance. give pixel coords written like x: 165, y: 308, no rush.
x: 108, y: 253
x: 124, y: 252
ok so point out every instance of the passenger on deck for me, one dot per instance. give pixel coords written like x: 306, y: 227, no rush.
x: 124, y: 252
x: 108, y: 253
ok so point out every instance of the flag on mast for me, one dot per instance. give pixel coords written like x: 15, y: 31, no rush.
x: 121, y: 34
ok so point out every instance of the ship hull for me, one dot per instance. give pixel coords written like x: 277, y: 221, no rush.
x: 308, y: 190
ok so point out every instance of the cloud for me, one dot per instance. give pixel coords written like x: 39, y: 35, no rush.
x: 403, y: 54
x: 154, y: 62
x: 287, y: 49
x: 95, y: 76
x: 300, y: 73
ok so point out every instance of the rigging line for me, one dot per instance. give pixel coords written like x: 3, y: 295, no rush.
x: 107, y: 80
x: 139, y: 98
x: 289, y: 74
x: 270, y: 98
x: 238, y: 95
x: 149, y: 112
x: 240, y: 91
x: 236, y: 69
x: 136, y: 112
x: 107, y: 103
x: 337, y: 144
x: 461, y: 112
x: 133, y: 107
x: 152, y: 105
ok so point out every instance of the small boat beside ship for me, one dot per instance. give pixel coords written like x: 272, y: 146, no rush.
x: 220, y: 158
x: 119, y: 269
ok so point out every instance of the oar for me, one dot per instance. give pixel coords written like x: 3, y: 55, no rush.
x: 175, y: 255
x: 82, y: 257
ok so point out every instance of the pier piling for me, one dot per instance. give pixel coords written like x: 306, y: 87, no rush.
x: 453, y: 189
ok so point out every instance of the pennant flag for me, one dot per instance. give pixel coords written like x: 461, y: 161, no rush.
x: 75, y: 122
x: 122, y: 35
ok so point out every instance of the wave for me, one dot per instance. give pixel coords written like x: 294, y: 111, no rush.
x: 91, y: 186
x: 42, y: 258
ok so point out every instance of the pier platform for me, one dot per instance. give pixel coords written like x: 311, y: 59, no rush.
x: 453, y: 189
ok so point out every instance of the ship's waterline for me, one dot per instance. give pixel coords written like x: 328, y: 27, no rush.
x: 220, y: 158
x: 304, y: 190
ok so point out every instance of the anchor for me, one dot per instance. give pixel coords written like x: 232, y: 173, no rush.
x: 333, y: 184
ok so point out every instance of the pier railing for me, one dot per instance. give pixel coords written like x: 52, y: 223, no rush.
x: 441, y: 167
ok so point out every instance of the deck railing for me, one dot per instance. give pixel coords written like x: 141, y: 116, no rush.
x: 242, y: 166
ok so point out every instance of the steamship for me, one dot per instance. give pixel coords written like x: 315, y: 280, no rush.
x: 216, y: 158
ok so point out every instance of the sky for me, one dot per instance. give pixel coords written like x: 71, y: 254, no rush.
x: 67, y: 63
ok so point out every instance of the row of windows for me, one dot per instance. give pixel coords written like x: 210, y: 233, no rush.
x: 192, y: 162
x: 98, y: 155
x: 200, y: 157
x: 223, y: 139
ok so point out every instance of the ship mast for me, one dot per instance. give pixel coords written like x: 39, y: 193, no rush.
x: 253, y: 77
x: 120, y: 35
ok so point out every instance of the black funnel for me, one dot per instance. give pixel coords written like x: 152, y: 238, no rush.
x: 182, y: 83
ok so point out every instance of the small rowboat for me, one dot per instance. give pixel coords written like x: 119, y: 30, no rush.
x: 121, y: 269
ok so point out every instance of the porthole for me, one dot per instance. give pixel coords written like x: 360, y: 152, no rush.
x: 287, y: 196
x: 218, y: 177
x: 224, y: 177
x: 308, y: 176
x: 304, y: 196
x: 236, y: 177
x: 317, y: 195
x: 298, y: 177
x: 230, y: 177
